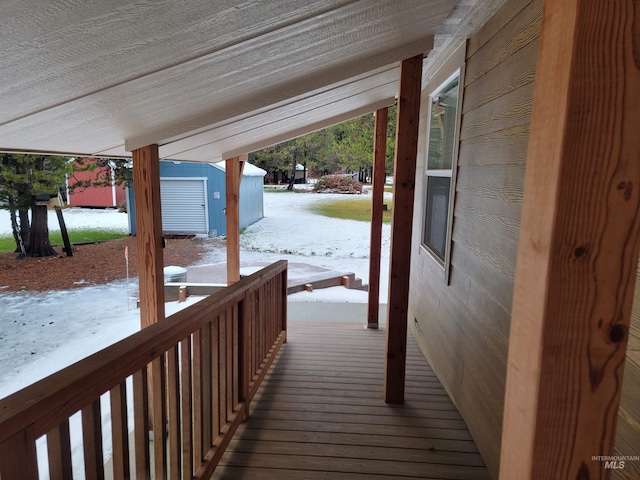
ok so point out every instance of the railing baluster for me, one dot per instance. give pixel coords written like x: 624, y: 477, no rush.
x: 59, y: 451
x: 206, y: 388
x: 173, y: 412
x: 186, y: 408
x: 141, y: 424
x: 197, y: 399
x: 119, y: 431
x: 268, y: 326
x: 221, y: 371
x: 264, y: 312
x: 158, y: 400
x: 259, y: 330
x: 229, y: 362
x: 284, y: 286
x: 215, y: 379
x: 272, y: 318
x: 236, y: 354
x: 244, y: 351
x: 275, y: 319
x: 264, y: 328
x: 18, y: 459
x: 92, y: 441
x: 255, y: 335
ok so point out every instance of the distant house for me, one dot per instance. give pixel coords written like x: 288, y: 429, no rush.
x: 301, y: 174
x: 193, y: 198
x: 95, y: 196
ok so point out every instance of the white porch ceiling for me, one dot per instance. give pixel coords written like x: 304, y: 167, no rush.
x: 204, y: 79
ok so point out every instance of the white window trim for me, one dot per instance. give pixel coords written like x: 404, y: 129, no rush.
x: 455, y: 66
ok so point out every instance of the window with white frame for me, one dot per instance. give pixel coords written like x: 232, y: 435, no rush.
x: 440, y: 166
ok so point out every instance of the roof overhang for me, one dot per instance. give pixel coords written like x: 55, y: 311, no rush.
x: 204, y: 80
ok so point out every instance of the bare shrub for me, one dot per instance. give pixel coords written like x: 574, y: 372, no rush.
x: 337, y: 184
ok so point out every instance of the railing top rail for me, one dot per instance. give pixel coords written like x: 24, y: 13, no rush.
x: 46, y: 403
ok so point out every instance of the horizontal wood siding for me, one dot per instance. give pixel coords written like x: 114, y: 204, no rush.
x: 463, y: 328
x: 628, y: 428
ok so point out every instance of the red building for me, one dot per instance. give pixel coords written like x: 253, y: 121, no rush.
x: 95, y: 196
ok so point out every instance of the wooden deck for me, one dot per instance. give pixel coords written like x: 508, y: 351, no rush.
x: 320, y: 414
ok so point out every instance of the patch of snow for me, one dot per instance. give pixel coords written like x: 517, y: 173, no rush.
x: 78, y: 218
x: 41, y: 333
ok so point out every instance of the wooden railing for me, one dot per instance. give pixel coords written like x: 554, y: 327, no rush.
x: 188, y: 379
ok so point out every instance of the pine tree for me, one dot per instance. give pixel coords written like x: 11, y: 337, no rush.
x: 22, y: 179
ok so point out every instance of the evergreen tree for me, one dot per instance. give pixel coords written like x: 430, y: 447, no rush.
x: 26, y: 178
x: 348, y: 145
x: 23, y: 179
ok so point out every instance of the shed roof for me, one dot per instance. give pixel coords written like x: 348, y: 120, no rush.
x: 249, y: 169
x: 204, y: 80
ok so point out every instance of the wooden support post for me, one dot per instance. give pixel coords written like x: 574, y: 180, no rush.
x: 403, y: 189
x: 18, y: 457
x: 578, y: 250
x: 233, y: 169
x: 182, y: 293
x: 146, y: 181
x: 285, y: 296
x: 375, y: 251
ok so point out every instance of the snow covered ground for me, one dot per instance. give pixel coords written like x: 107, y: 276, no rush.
x: 77, y: 218
x: 43, y: 332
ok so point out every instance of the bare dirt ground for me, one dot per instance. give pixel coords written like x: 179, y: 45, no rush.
x: 93, y: 264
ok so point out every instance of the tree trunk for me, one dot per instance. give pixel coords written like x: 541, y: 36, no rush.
x: 20, y: 230
x: 294, y: 164
x: 39, y: 244
x: 15, y: 230
x: 25, y: 226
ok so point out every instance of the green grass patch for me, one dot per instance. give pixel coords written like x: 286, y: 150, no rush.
x: 279, y: 189
x: 89, y: 235
x: 350, y: 209
x: 7, y: 244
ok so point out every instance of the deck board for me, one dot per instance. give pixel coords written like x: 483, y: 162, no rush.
x: 320, y: 414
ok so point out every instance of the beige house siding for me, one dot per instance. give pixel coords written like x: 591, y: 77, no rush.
x: 628, y: 428
x: 463, y: 327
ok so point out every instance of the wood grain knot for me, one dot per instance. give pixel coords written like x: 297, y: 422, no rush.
x: 583, y: 473
x: 617, y: 333
x: 627, y: 189
x: 580, y: 251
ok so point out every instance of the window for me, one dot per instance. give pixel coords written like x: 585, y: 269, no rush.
x: 440, y: 165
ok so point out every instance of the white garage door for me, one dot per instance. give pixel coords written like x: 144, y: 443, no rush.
x: 184, y: 205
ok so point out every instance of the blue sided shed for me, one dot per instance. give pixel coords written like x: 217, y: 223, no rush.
x: 193, y: 198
